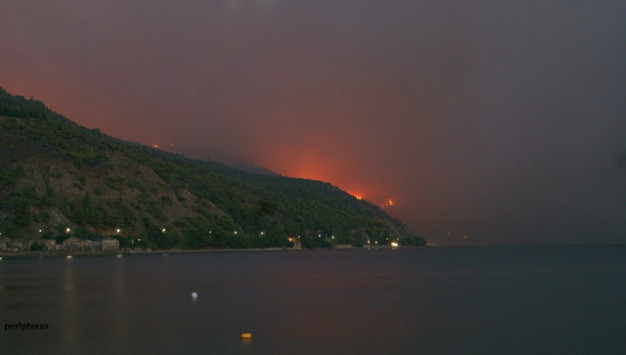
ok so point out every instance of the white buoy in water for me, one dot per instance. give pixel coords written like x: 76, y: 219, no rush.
x: 69, y: 257
x: 194, y: 296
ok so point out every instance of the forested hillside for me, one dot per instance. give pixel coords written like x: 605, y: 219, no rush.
x: 59, y: 179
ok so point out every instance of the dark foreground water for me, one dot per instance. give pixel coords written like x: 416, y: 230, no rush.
x: 496, y: 300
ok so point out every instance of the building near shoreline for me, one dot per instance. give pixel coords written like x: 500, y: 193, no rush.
x: 88, y: 246
x: 4, y: 243
x: 110, y: 245
x: 49, y: 244
x: 72, y: 244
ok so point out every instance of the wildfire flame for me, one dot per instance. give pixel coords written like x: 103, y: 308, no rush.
x: 356, y: 195
x: 388, y: 203
x: 382, y: 202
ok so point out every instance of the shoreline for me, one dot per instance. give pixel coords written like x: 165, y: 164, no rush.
x: 62, y: 254
x: 127, y: 252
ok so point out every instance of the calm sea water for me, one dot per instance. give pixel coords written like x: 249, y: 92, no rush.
x: 496, y: 300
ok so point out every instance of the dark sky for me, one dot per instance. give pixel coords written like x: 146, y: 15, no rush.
x: 500, y: 120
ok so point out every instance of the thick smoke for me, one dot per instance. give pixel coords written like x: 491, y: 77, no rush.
x: 498, y: 120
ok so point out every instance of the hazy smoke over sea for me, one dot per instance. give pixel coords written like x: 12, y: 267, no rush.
x: 500, y: 120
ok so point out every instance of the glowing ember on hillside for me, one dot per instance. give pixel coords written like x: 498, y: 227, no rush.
x: 388, y: 203
x: 356, y: 195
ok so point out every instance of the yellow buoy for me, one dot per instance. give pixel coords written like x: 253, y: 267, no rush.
x: 246, y: 336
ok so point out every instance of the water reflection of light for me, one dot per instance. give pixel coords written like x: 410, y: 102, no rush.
x: 118, y: 304
x: 68, y: 302
x: 69, y: 279
x: 118, y: 276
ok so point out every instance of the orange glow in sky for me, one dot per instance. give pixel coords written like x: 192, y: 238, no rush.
x: 328, y: 170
